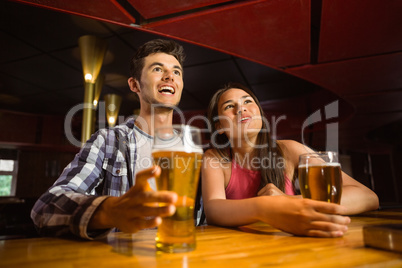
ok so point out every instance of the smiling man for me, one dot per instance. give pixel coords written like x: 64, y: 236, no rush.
x: 106, y: 185
x: 159, y: 87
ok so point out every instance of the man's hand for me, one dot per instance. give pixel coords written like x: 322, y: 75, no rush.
x: 134, y: 210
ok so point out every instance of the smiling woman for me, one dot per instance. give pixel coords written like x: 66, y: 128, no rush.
x: 256, y: 178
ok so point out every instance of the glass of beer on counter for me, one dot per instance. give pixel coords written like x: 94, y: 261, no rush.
x: 177, y: 150
x: 320, y: 176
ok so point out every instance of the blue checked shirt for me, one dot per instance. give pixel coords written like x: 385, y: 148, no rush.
x: 99, y: 170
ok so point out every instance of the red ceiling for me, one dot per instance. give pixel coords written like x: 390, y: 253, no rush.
x: 362, y: 75
x: 103, y: 10
x: 352, y: 29
x: 156, y: 8
x: 352, y: 48
x: 276, y: 33
x: 256, y: 30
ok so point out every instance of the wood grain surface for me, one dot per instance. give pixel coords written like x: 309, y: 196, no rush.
x: 256, y: 245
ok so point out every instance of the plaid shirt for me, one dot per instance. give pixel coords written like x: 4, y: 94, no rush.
x: 99, y: 170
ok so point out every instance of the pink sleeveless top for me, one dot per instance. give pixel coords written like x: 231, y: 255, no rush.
x: 244, y: 183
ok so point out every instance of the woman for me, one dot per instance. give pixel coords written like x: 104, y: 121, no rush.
x: 244, y: 180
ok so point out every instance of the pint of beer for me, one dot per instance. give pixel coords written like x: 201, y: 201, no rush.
x: 177, y: 150
x: 320, y: 176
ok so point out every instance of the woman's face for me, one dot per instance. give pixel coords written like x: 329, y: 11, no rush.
x: 239, y: 115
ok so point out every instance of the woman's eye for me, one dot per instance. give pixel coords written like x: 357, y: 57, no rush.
x: 248, y: 101
x: 228, y: 106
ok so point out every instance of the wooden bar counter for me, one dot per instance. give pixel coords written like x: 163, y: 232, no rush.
x: 256, y: 245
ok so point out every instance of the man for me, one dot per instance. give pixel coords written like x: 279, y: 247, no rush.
x: 106, y: 185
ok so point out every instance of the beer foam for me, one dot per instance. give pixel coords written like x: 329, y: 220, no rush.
x: 177, y: 145
x: 187, y: 149
x: 176, y: 141
x: 321, y: 165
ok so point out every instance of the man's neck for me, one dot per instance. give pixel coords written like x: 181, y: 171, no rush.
x: 148, y: 122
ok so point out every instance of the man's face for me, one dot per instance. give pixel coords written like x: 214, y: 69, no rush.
x: 161, y: 80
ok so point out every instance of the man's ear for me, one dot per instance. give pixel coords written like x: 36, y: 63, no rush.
x: 134, y: 85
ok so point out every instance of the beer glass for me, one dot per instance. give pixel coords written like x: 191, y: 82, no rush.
x: 177, y: 150
x: 320, y: 176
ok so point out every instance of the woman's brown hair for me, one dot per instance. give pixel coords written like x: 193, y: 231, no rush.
x: 271, y: 156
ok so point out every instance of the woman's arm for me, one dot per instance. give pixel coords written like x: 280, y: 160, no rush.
x: 300, y: 217
x: 218, y: 210
x: 356, y: 197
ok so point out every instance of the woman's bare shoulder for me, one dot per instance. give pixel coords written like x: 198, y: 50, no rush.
x: 213, y: 156
x: 292, y: 146
x: 292, y: 150
x: 211, y: 153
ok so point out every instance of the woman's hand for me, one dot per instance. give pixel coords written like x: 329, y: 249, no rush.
x: 270, y: 189
x: 305, y: 217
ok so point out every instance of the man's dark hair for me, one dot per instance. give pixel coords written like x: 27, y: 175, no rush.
x: 169, y: 47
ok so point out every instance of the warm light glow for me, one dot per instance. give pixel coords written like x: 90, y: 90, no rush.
x: 113, y: 102
x: 93, y: 51
x: 111, y: 120
x: 112, y: 107
x: 88, y: 77
x: 98, y: 88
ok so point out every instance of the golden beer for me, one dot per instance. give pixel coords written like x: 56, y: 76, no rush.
x: 180, y: 174
x: 321, y: 182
